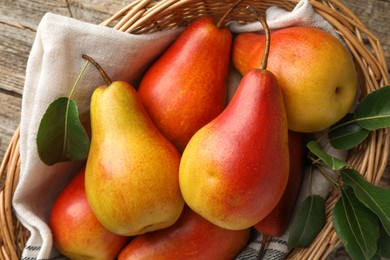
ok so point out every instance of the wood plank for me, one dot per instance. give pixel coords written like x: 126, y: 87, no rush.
x: 95, y: 11
x: 9, y: 110
x: 27, y: 14
x: 15, y: 46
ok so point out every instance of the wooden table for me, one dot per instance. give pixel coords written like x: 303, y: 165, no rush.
x: 18, y: 24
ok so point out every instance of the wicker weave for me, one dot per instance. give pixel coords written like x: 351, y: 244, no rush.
x: 145, y: 16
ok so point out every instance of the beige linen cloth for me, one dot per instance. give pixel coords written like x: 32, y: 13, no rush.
x: 53, y: 65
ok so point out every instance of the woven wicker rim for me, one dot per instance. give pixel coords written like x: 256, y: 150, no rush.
x: 146, y: 16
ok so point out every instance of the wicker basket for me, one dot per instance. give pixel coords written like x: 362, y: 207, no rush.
x: 145, y: 16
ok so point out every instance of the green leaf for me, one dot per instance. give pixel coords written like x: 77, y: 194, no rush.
x: 347, y: 134
x: 373, y: 112
x: 376, y: 257
x: 308, y: 222
x: 356, y: 226
x: 384, y: 243
x: 332, y: 162
x: 61, y: 136
x: 375, y: 198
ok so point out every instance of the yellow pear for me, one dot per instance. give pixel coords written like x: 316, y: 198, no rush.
x: 132, y: 169
x: 314, y: 69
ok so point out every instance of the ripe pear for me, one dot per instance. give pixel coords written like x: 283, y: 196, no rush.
x: 191, y: 237
x: 132, y: 169
x: 77, y: 233
x: 276, y: 222
x: 234, y: 170
x: 186, y: 87
x: 314, y: 69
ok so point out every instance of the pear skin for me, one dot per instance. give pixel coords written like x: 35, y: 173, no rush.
x: 186, y: 87
x: 132, y: 169
x: 191, y: 237
x: 314, y: 69
x: 234, y: 170
x: 77, y: 234
x: 276, y: 223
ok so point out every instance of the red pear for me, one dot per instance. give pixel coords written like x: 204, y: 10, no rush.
x: 276, y: 223
x: 186, y: 87
x: 77, y: 233
x: 234, y: 170
x: 191, y: 237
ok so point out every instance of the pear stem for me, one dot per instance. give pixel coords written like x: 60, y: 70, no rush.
x: 219, y: 24
x: 263, y: 22
x: 99, y: 68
